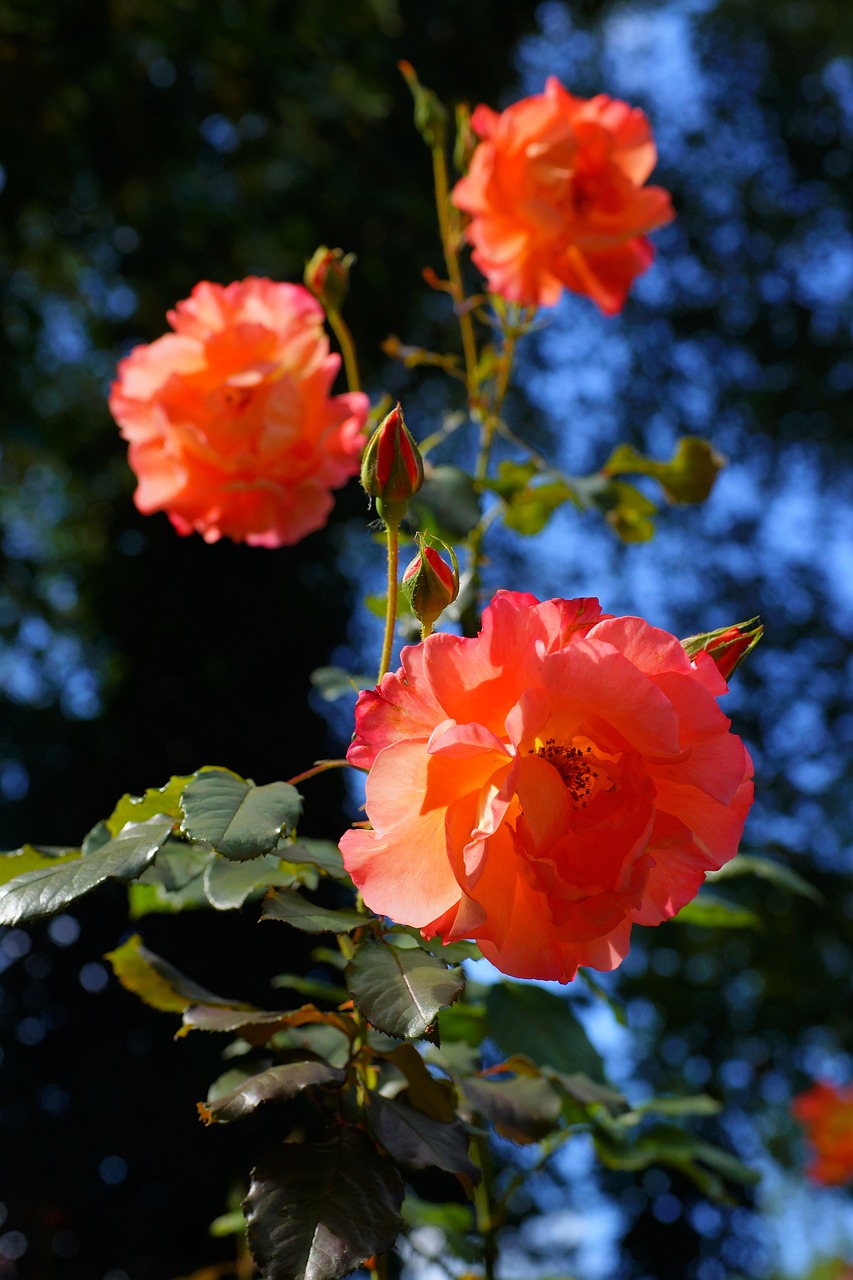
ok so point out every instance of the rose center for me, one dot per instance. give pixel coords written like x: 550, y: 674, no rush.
x: 231, y: 400
x: 576, y: 766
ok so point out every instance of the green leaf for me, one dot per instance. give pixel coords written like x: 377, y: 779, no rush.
x: 418, y: 1140
x: 529, y: 511
x: 155, y: 981
x: 775, y: 873
x: 588, y: 1092
x: 41, y: 892
x: 228, y: 884
x: 447, y: 505
x: 401, y: 992
x: 700, y: 1104
x: 664, y: 1144
x: 324, y: 854
x: 316, y: 1211
x: 229, y: 1224
x: 276, y: 1084
x: 165, y: 800
x: 524, y: 1108
x: 295, y: 910
x: 150, y: 899
x: 333, y: 682
x: 240, y: 820
x: 464, y: 1022
x: 453, y: 1220
x: 314, y: 988
x: 629, y: 512
x: 258, y: 1026
x: 712, y: 912
x: 93, y: 840
x: 688, y: 477
x: 33, y: 857
x: 530, y: 1020
x: 176, y: 865
x: 432, y: 1096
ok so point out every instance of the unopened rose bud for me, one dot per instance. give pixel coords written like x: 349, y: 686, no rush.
x: 430, y: 585
x: 728, y: 646
x: 392, y: 469
x: 431, y: 115
x: 327, y: 276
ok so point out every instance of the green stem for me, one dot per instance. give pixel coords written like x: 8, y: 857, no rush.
x: 488, y: 428
x: 487, y: 1224
x: 320, y: 766
x: 347, y: 346
x: 454, y: 274
x: 392, y: 532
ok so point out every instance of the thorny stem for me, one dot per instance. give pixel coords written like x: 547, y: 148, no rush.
x: 344, y: 337
x: 392, y: 531
x: 451, y: 259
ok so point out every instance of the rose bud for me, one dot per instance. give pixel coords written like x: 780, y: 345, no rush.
x: 392, y: 468
x: 430, y: 585
x: 327, y: 276
x: 728, y: 646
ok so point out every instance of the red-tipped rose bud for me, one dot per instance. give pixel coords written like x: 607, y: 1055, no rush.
x: 392, y: 469
x: 327, y: 276
x: 728, y: 646
x: 429, y: 584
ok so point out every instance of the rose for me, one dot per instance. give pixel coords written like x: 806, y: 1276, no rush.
x: 232, y: 429
x: 545, y: 785
x: 555, y: 190
x: 826, y: 1114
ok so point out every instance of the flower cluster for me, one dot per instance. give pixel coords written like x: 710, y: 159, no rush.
x: 546, y: 785
x: 232, y: 430
x: 557, y: 198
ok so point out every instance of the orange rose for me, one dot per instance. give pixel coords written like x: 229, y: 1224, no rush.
x: 826, y: 1114
x: 545, y: 785
x: 556, y: 194
x: 232, y: 429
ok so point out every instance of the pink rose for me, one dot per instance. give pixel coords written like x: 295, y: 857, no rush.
x: 232, y: 430
x: 545, y: 785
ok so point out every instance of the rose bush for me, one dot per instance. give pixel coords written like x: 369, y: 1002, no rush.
x: 545, y: 785
x: 826, y: 1114
x: 556, y: 196
x: 232, y: 430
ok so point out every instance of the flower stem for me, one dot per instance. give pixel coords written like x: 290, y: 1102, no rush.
x: 320, y: 766
x: 347, y: 346
x: 487, y: 1224
x: 451, y: 259
x: 488, y: 428
x: 392, y: 532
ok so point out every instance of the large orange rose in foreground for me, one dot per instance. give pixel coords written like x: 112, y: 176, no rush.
x: 556, y: 194
x: 826, y: 1114
x: 545, y: 785
x: 232, y: 430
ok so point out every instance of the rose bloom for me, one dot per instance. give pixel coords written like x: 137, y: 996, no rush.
x: 232, y: 430
x: 826, y: 1114
x: 555, y: 191
x: 544, y: 786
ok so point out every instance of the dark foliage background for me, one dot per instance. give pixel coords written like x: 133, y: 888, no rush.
x: 146, y: 144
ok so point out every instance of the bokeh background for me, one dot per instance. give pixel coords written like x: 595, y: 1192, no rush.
x: 146, y: 144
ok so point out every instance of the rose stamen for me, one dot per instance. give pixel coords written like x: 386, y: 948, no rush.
x: 573, y: 767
